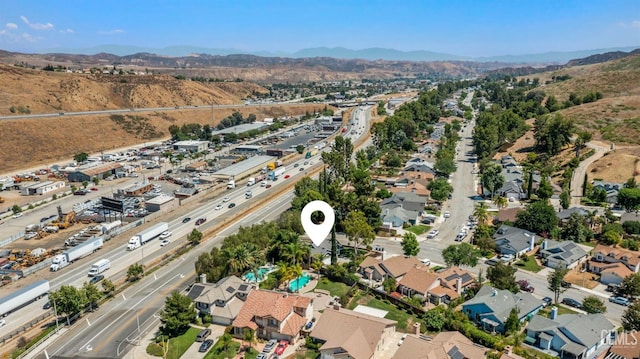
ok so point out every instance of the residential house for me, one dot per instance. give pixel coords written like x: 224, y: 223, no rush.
x: 222, y: 300
x: 571, y: 336
x: 565, y: 254
x: 402, y: 208
x: 566, y: 213
x: 514, y: 180
x: 395, y: 267
x: 397, y: 217
x: 611, y: 188
x: 436, y: 288
x: 490, y: 307
x: 273, y: 315
x: 625, y: 346
x: 514, y: 241
x: 444, y: 345
x: 614, y: 273
x: 348, y: 334
x: 607, y: 255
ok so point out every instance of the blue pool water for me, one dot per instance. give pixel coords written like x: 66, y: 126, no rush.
x: 299, y: 282
x: 251, y: 276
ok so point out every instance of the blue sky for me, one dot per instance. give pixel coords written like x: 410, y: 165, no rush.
x: 467, y: 28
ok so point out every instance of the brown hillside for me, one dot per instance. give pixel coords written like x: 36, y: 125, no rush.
x: 616, y: 117
x: 32, y: 142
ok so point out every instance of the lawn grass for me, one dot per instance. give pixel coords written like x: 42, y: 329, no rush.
x: 393, y: 313
x: 218, y: 352
x: 529, y: 264
x: 546, y: 312
x: 307, y: 354
x: 418, y: 230
x: 180, y: 344
x: 336, y: 289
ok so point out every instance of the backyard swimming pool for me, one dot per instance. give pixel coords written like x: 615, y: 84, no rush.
x: 251, y: 276
x: 299, y: 282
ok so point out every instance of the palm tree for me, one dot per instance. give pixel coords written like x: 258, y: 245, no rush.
x: 293, y: 252
x: 296, y: 272
x: 226, y: 339
x: 318, y: 263
x: 240, y: 258
x: 481, y: 213
x: 500, y: 202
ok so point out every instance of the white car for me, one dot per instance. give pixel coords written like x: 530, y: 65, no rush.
x: 165, y: 235
x: 433, y: 233
x: 164, y: 242
x: 447, y: 214
x: 426, y: 261
x: 226, y: 199
x: 17, y: 215
x: 218, y: 207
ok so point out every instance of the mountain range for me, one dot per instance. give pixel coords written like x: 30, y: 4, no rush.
x: 372, y: 54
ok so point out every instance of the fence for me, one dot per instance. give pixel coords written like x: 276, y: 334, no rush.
x: 12, y: 238
x: 25, y: 327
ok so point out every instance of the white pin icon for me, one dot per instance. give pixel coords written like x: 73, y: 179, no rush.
x: 317, y: 232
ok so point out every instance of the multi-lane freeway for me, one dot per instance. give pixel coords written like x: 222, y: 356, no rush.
x: 109, y: 332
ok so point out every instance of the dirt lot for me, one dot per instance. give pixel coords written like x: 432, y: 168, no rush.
x: 617, y: 166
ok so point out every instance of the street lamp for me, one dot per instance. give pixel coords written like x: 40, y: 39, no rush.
x: 55, y: 312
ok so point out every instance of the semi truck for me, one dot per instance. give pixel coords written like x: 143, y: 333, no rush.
x: 273, y: 175
x: 67, y: 257
x: 256, y: 179
x: 145, y: 236
x: 22, y: 297
x: 108, y: 227
x: 271, y: 166
x: 99, y: 267
x: 311, y: 153
x: 231, y: 184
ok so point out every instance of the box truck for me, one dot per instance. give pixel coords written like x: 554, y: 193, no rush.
x: 22, y: 297
x: 99, y: 267
x: 67, y: 257
x: 145, y: 236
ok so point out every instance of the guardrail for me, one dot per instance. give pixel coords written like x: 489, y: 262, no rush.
x: 25, y: 327
x: 12, y: 238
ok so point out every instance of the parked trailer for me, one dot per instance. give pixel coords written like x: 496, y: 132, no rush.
x: 67, y: 257
x: 106, y: 227
x: 145, y: 236
x: 22, y: 297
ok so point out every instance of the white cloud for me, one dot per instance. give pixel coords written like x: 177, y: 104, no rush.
x: 36, y: 26
x: 111, y: 32
x: 12, y: 26
x: 67, y: 31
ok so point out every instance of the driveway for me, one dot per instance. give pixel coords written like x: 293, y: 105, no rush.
x: 578, y: 175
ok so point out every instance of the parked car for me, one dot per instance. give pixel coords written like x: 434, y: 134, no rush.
x: 426, y: 261
x: 17, y: 215
x: 491, y: 262
x: 96, y: 279
x: 447, y: 214
x: 506, y: 258
x: 205, y: 345
x: 200, y: 221
x: 525, y: 286
x: 546, y: 301
x: 433, y: 233
x: 620, y: 300
x: 572, y: 303
x: 281, y: 347
x: 204, y: 333
x: 566, y: 284
x: 261, y: 356
x: 269, y: 346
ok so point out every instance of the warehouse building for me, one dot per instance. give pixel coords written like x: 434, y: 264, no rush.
x: 41, y: 188
x: 137, y: 189
x: 101, y: 171
x: 248, y: 149
x: 196, y: 166
x: 244, y: 168
x: 191, y: 146
x: 241, y: 128
x: 162, y: 202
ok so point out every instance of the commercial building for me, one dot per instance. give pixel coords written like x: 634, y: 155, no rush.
x: 191, y: 146
x: 248, y: 149
x: 161, y: 202
x: 241, y: 128
x: 138, y: 189
x: 41, y: 188
x: 88, y: 172
x: 244, y: 168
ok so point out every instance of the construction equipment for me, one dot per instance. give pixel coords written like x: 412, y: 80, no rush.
x: 65, y: 220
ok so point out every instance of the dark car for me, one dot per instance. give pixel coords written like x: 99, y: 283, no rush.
x: 546, y: 301
x: 47, y: 305
x: 205, y: 345
x: 231, y: 205
x: 96, y: 279
x: 566, y: 284
x: 80, y: 193
x: 572, y: 303
x: 525, y: 286
x: 186, y: 219
x: 491, y: 262
x: 200, y: 221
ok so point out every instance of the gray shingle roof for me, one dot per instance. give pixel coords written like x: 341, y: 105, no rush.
x: 587, y: 329
x: 567, y: 251
x: 500, y: 302
x: 510, y: 240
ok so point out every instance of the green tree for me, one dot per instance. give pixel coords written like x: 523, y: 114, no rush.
x: 410, y: 245
x: 440, y: 189
x: 481, y: 212
x: 545, y: 191
x: 631, y: 183
x: 134, y: 272
x: 500, y: 202
x: 249, y: 336
x: 503, y: 276
x: 592, y: 305
x: 538, y: 217
x: 194, y: 237
x: 555, y: 280
x: 85, y: 184
x: 80, y: 157
x: 445, y: 165
x: 463, y: 254
x: 629, y: 199
x: 108, y: 287
x: 339, y: 158
x: 565, y: 198
x: 492, y: 178
x: 358, y: 229
x: 631, y: 285
x: 92, y: 294
x: 552, y: 133
x: 434, y: 319
x: 512, y: 325
x: 389, y: 285
x: 576, y: 229
x: 68, y: 300
x: 95, y: 180
x: 177, y: 314
x: 16, y: 209
x: 300, y: 148
x: 631, y: 317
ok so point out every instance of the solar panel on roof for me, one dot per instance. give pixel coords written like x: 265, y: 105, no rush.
x: 243, y: 287
x: 230, y: 289
x: 195, y: 292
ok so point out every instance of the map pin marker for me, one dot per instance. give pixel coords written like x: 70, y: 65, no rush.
x: 317, y: 232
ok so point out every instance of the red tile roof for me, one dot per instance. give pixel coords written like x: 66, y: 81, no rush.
x: 279, y: 306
